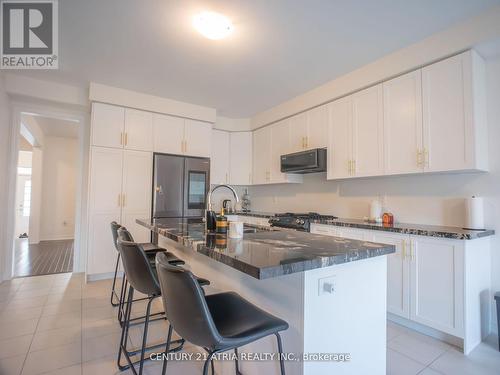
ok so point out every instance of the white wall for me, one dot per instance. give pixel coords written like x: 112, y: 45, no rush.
x: 4, y: 149
x: 426, y: 199
x: 57, y: 216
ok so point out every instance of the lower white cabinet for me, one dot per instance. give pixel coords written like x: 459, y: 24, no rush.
x: 436, y: 282
x: 120, y: 190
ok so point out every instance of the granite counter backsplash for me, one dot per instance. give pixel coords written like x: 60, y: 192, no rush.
x: 415, y: 229
x: 267, y: 253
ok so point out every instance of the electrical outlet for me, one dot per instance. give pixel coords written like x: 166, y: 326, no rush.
x: 327, y: 285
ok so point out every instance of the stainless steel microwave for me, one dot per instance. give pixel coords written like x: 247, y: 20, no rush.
x: 310, y: 161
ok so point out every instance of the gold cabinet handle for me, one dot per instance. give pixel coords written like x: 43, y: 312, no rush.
x: 403, y: 251
x: 307, y: 142
x: 121, y: 138
x: 126, y: 138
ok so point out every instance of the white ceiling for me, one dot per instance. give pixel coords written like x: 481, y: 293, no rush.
x: 53, y: 127
x: 279, y: 49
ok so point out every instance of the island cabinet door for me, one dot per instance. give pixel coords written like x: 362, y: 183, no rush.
x: 437, y: 283
x: 398, y: 272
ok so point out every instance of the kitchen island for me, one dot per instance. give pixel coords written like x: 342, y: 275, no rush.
x: 331, y: 291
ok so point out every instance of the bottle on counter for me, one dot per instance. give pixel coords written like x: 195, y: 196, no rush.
x: 221, y: 223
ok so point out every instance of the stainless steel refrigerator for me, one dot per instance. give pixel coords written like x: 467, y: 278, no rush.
x: 180, y: 186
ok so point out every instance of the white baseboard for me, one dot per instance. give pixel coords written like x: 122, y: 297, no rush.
x: 102, y: 276
x: 58, y: 238
x: 453, y: 340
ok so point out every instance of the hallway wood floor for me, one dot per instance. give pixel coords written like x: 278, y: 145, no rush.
x: 46, y: 257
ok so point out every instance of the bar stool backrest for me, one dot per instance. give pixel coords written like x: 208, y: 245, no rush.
x: 114, y: 231
x: 138, y: 270
x: 185, y: 304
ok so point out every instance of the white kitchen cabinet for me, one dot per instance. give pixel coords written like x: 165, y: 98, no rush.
x: 398, y: 271
x: 120, y: 190
x: 340, y: 139
x: 138, y: 133
x: 454, y: 123
x: 367, y: 132
x: 107, y: 125
x: 197, y: 135
x: 309, y: 130
x: 104, y: 207
x: 168, y: 134
x: 403, y: 143
x: 437, y: 283
x: 136, y: 192
x: 298, y: 132
x: 433, y: 282
x: 179, y: 136
x: 261, y: 156
x: 240, y: 161
x: 317, y: 127
x: 280, y: 145
x: 219, y: 161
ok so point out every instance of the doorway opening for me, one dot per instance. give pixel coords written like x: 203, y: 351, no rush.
x: 45, y: 195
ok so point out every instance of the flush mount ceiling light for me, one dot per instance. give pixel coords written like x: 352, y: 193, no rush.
x: 212, y: 25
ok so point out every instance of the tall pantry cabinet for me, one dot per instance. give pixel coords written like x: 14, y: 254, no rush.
x: 119, y: 180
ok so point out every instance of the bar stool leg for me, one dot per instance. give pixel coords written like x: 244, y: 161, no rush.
x: 113, y: 292
x: 167, y: 349
x: 145, y: 335
x: 125, y: 327
x: 280, y: 350
x: 236, y: 362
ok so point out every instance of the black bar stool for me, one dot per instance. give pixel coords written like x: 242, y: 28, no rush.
x: 125, y: 235
x: 149, y: 248
x: 218, y: 322
x: 141, y: 276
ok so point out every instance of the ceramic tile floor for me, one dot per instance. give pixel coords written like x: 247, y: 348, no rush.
x: 57, y: 324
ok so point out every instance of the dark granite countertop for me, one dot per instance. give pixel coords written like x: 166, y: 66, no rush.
x: 415, y: 229
x: 267, y: 253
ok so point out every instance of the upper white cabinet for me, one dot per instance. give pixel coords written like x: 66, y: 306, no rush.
x: 356, y: 135
x: 240, y: 161
x: 168, y: 134
x: 454, y: 127
x: 429, y: 120
x: 317, y: 127
x: 175, y: 135
x: 219, y: 161
x: 138, y: 133
x: 298, y: 132
x: 367, y: 133
x: 107, y: 125
x: 280, y: 145
x: 403, y: 147
x: 261, y: 156
x: 340, y: 146
x: 197, y: 135
x: 119, y: 127
x: 309, y: 130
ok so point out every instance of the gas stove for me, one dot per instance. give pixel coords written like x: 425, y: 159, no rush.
x: 297, y: 221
